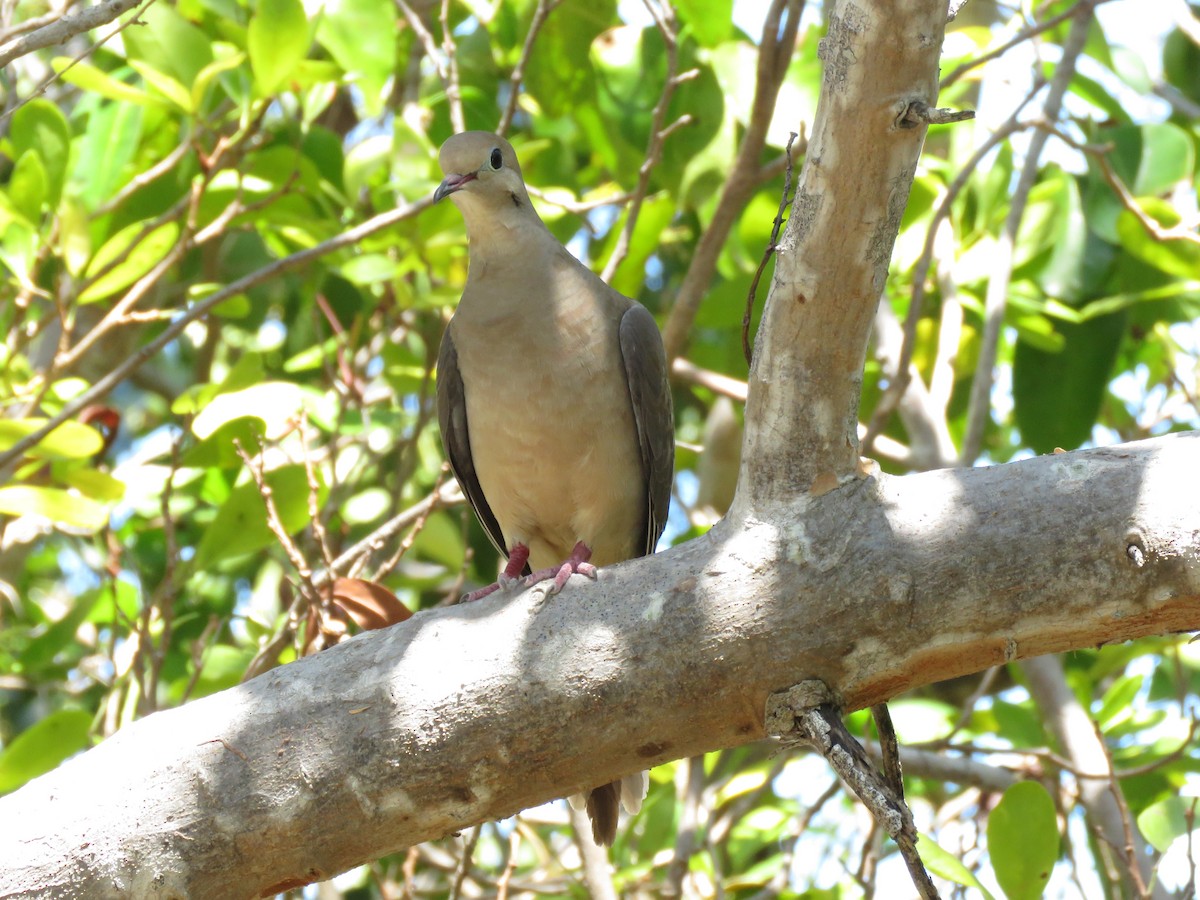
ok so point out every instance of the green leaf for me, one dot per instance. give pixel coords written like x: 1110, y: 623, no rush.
x: 211, y: 72
x: 220, y: 447
x: 40, y: 127
x: 55, y: 504
x: 108, y: 146
x: 27, y: 188
x: 42, y: 746
x: 40, y: 651
x: 87, y: 77
x: 1181, y: 64
x: 240, y: 526
x: 947, y: 865
x: 95, y: 484
x: 710, y: 21
x: 1162, y: 823
x: 1118, y: 699
x: 1022, y: 836
x: 1179, y: 257
x: 148, y: 253
x: 278, y: 40
x: 169, y: 43
x: 277, y: 403
x: 1057, y: 396
x: 70, y: 440
x: 558, y: 75
x: 369, y: 268
x: 361, y: 36
x: 1151, y: 159
x: 165, y: 85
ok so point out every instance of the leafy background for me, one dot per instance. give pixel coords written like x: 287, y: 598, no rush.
x: 190, y: 147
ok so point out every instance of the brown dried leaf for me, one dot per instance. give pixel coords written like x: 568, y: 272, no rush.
x: 370, y: 605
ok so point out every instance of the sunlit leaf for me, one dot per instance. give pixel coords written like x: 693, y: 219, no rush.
x: 1023, y: 840
x: 278, y: 40
x: 946, y: 865
x: 56, y: 504
x: 1166, y: 821
x: 70, y: 440
x: 240, y: 526
x: 146, y: 253
x: 40, y: 127
x: 42, y: 746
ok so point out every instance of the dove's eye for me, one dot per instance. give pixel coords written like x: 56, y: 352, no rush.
x: 497, y: 159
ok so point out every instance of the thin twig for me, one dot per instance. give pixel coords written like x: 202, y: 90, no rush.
x: 775, y: 48
x: 140, y: 180
x: 889, y: 748
x: 785, y: 200
x: 464, y: 864
x: 62, y: 30
x: 543, y: 9
x: 664, y: 20
x: 429, y: 45
x: 596, y: 877
x: 689, y: 796
x: 55, y: 76
x: 899, y: 378
x: 979, y: 410
x: 510, y: 866
x: 1022, y: 36
x: 172, y: 331
x: 453, y: 86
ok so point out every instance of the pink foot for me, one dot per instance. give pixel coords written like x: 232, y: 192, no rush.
x: 577, y: 563
x: 511, y: 576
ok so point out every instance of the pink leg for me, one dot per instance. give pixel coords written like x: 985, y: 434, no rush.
x: 577, y: 563
x: 517, y: 557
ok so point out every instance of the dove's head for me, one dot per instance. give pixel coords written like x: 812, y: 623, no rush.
x: 481, y: 171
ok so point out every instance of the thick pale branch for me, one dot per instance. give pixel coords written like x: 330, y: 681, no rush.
x: 833, y: 259
x: 474, y: 712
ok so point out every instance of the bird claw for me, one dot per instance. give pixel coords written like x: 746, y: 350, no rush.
x: 558, y: 576
x: 505, y: 584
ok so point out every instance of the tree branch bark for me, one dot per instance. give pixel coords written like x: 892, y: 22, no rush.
x: 474, y: 712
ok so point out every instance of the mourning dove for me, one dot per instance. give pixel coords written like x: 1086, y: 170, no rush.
x: 553, y: 401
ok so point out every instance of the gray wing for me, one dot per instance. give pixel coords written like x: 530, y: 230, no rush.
x: 456, y: 440
x: 650, y: 395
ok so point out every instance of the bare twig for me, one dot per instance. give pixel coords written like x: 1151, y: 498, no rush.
x: 41, y: 88
x: 806, y: 713
x: 410, y: 538
x: 448, y: 76
x: 1022, y: 36
x: 543, y: 9
x: 266, y: 273
x: 67, y: 27
x: 775, y: 51
x: 510, y: 866
x: 889, y: 748
x: 464, y: 864
x: 33, y: 23
x: 583, y: 206
x: 664, y: 19
x: 453, y: 86
x: 1072, y: 729
x: 140, y: 180
x: 1181, y: 232
x: 919, y: 113
x: 784, y: 201
x: 900, y: 375
x: 685, y: 370
x: 979, y: 411
x: 690, y: 794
